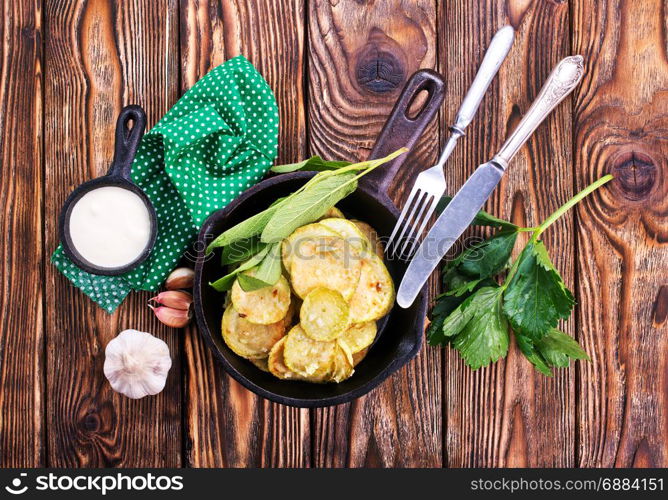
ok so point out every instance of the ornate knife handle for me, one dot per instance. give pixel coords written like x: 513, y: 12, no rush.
x: 563, y: 79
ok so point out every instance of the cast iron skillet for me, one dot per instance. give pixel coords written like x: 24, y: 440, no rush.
x: 127, y: 142
x: 400, y: 333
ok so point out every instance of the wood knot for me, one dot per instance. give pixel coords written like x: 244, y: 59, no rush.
x: 91, y: 422
x: 635, y: 174
x: 380, y: 64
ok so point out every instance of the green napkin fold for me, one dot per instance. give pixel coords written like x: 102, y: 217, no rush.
x: 219, y: 139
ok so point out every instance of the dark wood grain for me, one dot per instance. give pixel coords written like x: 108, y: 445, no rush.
x: 508, y: 414
x: 102, y: 55
x: 336, y: 67
x: 360, y: 56
x: 226, y: 425
x: 621, y: 116
x: 21, y: 250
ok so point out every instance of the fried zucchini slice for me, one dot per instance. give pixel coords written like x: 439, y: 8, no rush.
x: 276, y: 363
x: 264, y: 306
x: 262, y: 363
x: 333, y: 212
x: 309, y: 358
x: 343, y: 364
x: 328, y: 263
x: 359, y: 336
x: 324, y: 314
x: 350, y: 232
x: 358, y: 356
x: 374, y: 295
x: 308, y: 233
x: 249, y: 340
x: 371, y: 235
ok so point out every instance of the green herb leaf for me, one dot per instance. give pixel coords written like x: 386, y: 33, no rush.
x: 536, y: 297
x: 241, y: 250
x: 225, y: 283
x: 313, y: 163
x: 250, y: 283
x: 528, y: 348
x: 479, y: 328
x: 269, y: 269
x: 442, y: 309
x: 554, y: 349
x: 557, y: 348
x: 464, y: 289
x: 308, y: 205
x: 481, y: 219
x: 245, y: 229
x: 489, y: 257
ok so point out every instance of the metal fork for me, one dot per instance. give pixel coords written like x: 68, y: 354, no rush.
x: 430, y: 184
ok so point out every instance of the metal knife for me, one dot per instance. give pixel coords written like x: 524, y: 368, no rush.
x: 463, y: 208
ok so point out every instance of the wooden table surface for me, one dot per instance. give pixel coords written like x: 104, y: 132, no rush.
x: 336, y: 68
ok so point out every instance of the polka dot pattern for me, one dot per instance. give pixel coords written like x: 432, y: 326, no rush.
x: 215, y: 142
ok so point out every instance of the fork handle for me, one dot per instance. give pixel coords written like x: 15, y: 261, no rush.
x: 496, y: 53
x: 563, y: 79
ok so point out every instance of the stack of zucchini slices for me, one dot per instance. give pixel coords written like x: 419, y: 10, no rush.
x: 319, y: 320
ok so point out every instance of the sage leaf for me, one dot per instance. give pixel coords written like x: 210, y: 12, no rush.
x: 269, y: 269
x: 245, y: 229
x: 308, y: 205
x: 225, y: 283
x: 250, y: 283
x: 314, y: 163
x: 241, y: 250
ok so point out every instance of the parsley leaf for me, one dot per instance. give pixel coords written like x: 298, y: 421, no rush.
x: 442, y: 309
x: 554, y: 349
x: 489, y: 257
x: 479, y: 328
x: 536, y: 297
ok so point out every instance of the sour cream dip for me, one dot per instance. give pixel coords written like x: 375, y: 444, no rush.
x: 110, y: 226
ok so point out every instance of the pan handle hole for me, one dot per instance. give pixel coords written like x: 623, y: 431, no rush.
x: 417, y: 104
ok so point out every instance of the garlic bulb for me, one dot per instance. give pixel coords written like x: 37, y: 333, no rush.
x: 136, y: 364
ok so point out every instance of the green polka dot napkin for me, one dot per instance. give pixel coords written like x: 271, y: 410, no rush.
x: 215, y: 142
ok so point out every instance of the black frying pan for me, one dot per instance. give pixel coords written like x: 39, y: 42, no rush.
x: 400, y: 333
x: 127, y: 142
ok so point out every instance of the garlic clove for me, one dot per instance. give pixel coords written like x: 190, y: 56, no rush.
x: 174, y: 299
x: 181, y: 277
x: 136, y: 364
x: 176, y: 318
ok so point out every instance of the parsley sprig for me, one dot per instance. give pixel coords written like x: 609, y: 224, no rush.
x: 477, y: 311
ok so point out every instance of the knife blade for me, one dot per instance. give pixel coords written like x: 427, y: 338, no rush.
x: 463, y: 208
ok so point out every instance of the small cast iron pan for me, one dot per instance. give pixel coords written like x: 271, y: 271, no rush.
x: 127, y: 142
x: 400, y: 333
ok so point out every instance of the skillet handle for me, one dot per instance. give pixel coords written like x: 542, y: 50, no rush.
x: 400, y: 130
x: 127, y: 140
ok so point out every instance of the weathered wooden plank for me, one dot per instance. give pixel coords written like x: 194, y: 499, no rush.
x: 226, y: 425
x: 621, y: 117
x: 102, y: 55
x: 21, y: 251
x: 360, y: 56
x: 508, y: 414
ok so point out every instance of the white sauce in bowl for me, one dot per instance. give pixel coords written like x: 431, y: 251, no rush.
x: 110, y: 226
